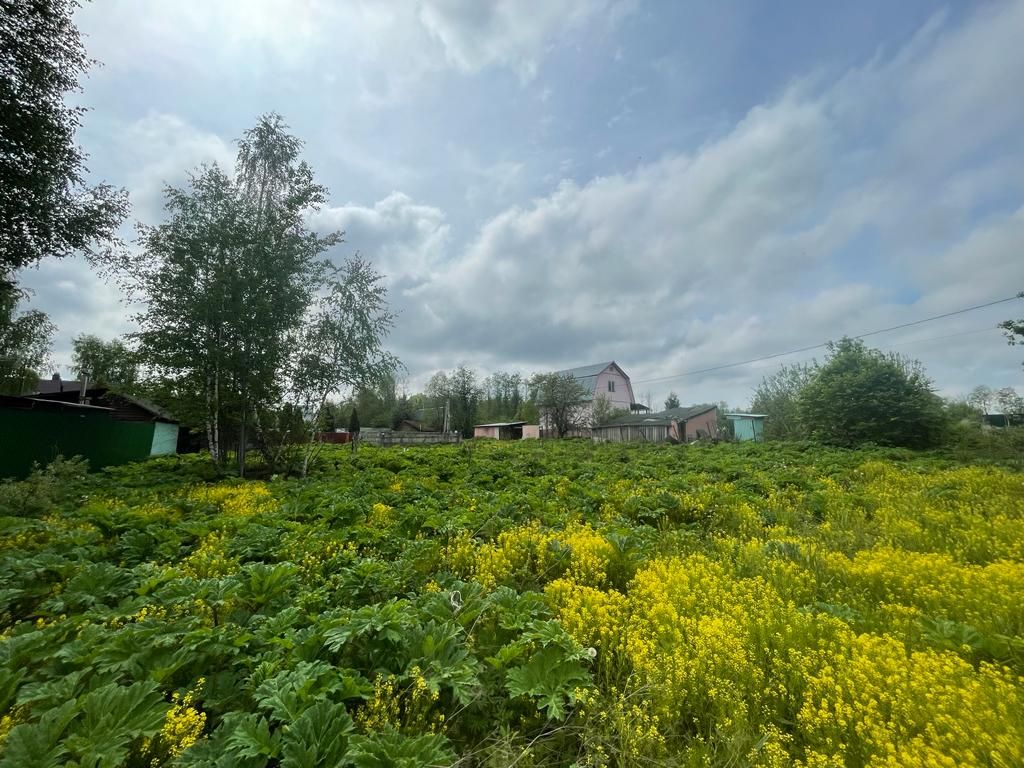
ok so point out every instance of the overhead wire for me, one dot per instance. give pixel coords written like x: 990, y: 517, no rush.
x: 823, y: 344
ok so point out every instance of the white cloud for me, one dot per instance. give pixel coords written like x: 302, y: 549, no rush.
x: 512, y: 33
x: 891, y: 193
x: 733, y: 251
x: 378, y: 50
x: 404, y: 240
x: 160, y: 150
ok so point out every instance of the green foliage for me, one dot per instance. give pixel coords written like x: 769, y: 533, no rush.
x: 777, y: 398
x: 97, y: 730
x: 672, y: 401
x: 105, y: 363
x: 553, y: 672
x: 46, y: 208
x: 40, y: 745
x: 389, y: 749
x: 44, y: 489
x: 25, y: 342
x: 864, y: 396
x: 459, y: 392
x: 318, y: 738
x: 544, y: 600
x: 561, y: 401
x: 1014, y: 329
x: 112, y: 717
x: 227, y: 283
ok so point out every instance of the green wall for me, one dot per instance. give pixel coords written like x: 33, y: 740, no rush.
x: 748, y: 429
x: 165, y: 439
x: 38, y: 435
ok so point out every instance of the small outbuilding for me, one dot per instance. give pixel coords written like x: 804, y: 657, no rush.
x: 747, y: 426
x: 115, y: 431
x: 675, y: 425
x: 503, y: 430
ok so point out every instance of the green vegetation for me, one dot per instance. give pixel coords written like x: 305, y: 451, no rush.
x: 531, y: 604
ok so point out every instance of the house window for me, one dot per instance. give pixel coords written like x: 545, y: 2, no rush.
x: 611, y: 386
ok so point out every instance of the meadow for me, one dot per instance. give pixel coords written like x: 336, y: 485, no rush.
x: 531, y: 604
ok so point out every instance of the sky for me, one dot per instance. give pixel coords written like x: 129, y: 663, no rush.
x: 552, y: 183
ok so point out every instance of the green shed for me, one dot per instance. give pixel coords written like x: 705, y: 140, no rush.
x: 747, y: 426
x: 36, y: 429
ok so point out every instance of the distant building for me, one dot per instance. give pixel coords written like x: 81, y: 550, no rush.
x: 505, y: 430
x: 108, y: 429
x: 747, y: 426
x: 605, y: 380
x: 673, y: 426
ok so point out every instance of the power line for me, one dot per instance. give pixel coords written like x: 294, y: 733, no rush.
x: 826, y: 343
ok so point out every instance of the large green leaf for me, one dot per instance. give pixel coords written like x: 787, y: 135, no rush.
x: 288, y: 694
x: 390, y: 749
x: 113, y: 716
x: 249, y: 736
x: 319, y: 738
x: 39, y: 745
x: 549, y: 678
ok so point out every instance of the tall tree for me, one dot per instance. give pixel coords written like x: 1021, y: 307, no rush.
x: 104, y: 363
x: 982, y: 398
x: 45, y: 206
x: 227, y: 281
x: 1010, y: 403
x: 459, y: 393
x: 561, y: 401
x: 862, y: 395
x: 501, y: 396
x: 341, y: 347
x: 672, y: 401
x: 604, y: 411
x: 25, y: 341
x: 776, y: 397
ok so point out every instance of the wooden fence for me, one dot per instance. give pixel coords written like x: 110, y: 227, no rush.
x: 389, y: 438
x: 632, y: 433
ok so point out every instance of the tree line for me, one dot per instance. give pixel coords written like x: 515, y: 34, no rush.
x: 247, y: 327
x: 251, y: 333
x: 860, y: 395
x: 458, y: 399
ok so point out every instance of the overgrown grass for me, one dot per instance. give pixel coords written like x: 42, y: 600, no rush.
x: 527, y: 604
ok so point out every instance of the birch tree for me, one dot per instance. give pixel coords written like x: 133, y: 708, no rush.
x: 25, y: 341
x: 226, y: 283
x: 341, y: 348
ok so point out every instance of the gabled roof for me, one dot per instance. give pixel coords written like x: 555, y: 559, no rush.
x: 663, y: 417
x: 686, y: 412
x: 115, y: 402
x: 37, y: 403
x: 587, y: 375
x: 586, y: 370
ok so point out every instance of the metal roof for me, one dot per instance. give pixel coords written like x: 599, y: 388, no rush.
x: 662, y: 417
x: 34, y: 402
x: 502, y: 424
x: 745, y: 415
x: 586, y: 370
x: 587, y: 375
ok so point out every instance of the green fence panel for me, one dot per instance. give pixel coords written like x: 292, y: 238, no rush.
x: 31, y: 435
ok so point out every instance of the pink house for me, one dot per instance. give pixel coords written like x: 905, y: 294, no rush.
x: 605, y: 380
